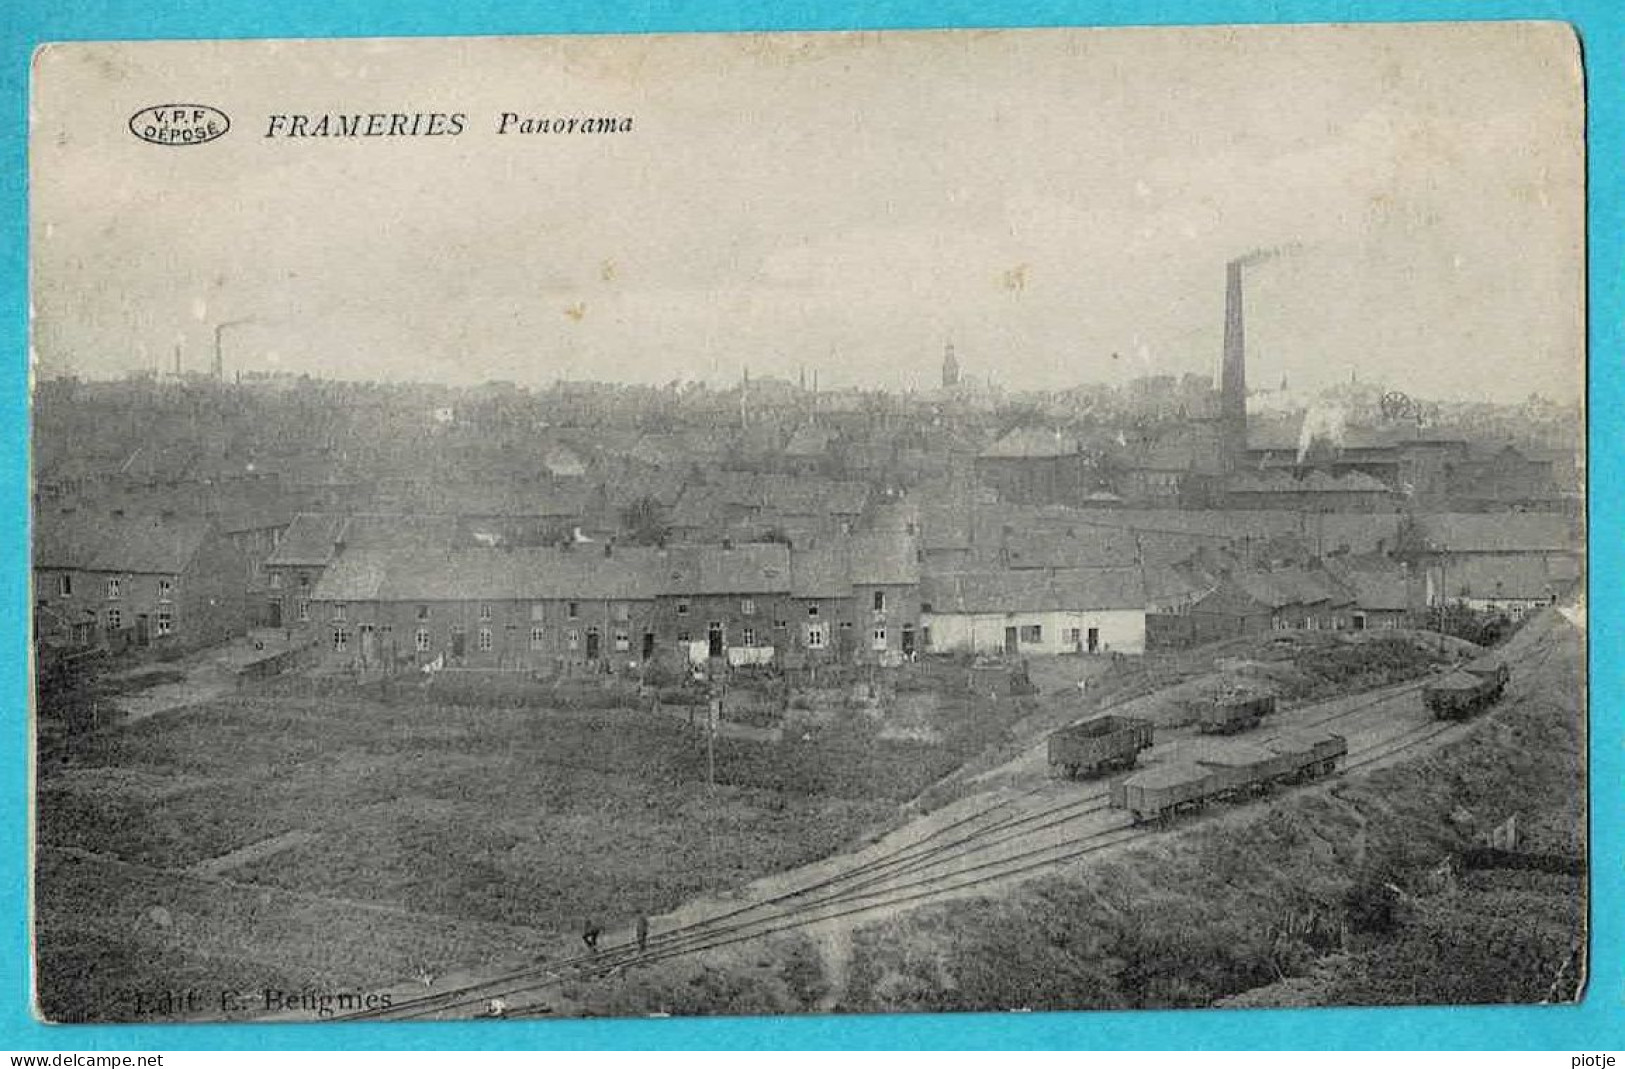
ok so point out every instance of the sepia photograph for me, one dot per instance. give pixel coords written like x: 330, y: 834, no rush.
x: 808, y: 523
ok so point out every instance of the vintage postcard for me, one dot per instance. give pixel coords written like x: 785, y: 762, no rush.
x: 817, y: 523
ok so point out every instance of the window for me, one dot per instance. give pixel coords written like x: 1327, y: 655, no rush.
x: 621, y: 611
x: 338, y: 611
x: 925, y: 606
x: 877, y: 638
x: 422, y: 638
x: 423, y: 612
x: 880, y: 601
x: 779, y: 625
x: 535, y: 638
x: 304, y: 610
x: 166, y: 620
x: 683, y: 636
x: 925, y: 636
x: 750, y: 636
x: 485, y: 611
x: 682, y: 608
x: 304, y: 581
x: 166, y: 589
x: 846, y: 625
x: 114, y: 620
x: 817, y: 636
x: 112, y: 588
x: 276, y: 580
x: 623, y: 641
x: 341, y: 638
x: 575, y: 609
x: 747, y: 607
x: 485, y: 640
x: 536, y: 613
x: 572, y: 639
x: 812, y: 611
x: 1032, y: 633
x: 64, y: 585
x: 1071, y: 636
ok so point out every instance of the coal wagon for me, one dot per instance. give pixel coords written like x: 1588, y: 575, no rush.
x: 1459, y: 694
x: 1228, y: 771
x: 1228, y: 714
x: 1099, y: 745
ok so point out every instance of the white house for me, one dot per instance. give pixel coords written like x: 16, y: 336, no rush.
x: 1074, y: 610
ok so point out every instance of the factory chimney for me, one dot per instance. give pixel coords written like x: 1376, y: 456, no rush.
x: 1233, y: 374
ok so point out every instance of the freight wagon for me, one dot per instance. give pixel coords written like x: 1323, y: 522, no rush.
x: 1230, y: 713
x: 1227, y: 772
x: 1464, y: 692
x: 1099, y: 744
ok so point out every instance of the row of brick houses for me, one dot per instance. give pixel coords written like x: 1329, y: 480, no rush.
x: 385, y: 589
x: 120, y: 581
x: 598, y: 604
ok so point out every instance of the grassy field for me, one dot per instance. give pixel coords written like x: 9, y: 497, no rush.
x: 439, y: 834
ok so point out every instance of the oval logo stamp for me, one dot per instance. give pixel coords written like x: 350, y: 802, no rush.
x: 179, y: 124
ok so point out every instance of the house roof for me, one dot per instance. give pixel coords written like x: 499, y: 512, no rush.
x: 753, y: 568
x: 1379, y: 591
x: 1499, y: 532
x: 85, y: 541
x: 809, y: 441
x: 1032, y: 443
x: 820, y: 571
x: 1511, y: 576
x: 1285, y: 482
x: 526, y: 574
x: 1067, y: 590
x: 314, y: 538
x: 882, y: 558
x: 1074, y: 547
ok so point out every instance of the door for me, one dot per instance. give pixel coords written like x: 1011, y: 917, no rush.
x: 1009, y: 640
x: 592, y: 643
x: 1092, y: 640
x: 276, y: 612
x: 143, y: 634
x: 648, y: 645
x: 908, y: 640
x: 713, y: 637
x: 459, y: 642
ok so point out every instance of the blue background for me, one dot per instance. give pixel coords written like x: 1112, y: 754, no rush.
x: 1597, y: 1023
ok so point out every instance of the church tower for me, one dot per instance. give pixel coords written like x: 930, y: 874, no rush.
x: 950, y: 368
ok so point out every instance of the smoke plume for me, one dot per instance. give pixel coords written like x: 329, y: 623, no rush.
x: 1322, y: 423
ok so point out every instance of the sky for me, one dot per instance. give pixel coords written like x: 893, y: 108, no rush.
x: 1058, y: 204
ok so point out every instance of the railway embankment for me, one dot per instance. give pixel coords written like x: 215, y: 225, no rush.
x: 1324, y: 895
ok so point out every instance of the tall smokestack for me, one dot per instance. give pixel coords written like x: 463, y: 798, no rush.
x: 1233, y: 373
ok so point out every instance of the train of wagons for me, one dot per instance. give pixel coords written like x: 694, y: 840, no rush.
x: 1224, y: 769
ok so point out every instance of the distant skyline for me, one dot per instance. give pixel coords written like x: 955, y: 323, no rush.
x: 1059, y: 204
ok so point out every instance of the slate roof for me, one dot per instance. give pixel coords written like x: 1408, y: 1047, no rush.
x: 1512, y: 576
x: 809, y: 441
x: 1076, y: 547
x: 754, y: 568
x: 1284, y: 482
x: 85, y: 541
x: 523, y: 574
x: 314, y: 538
x: 1071, y: 590
x: 1499, y: 532
x: 1032, y: 443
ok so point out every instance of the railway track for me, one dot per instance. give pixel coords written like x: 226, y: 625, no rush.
x: 930, y: 867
